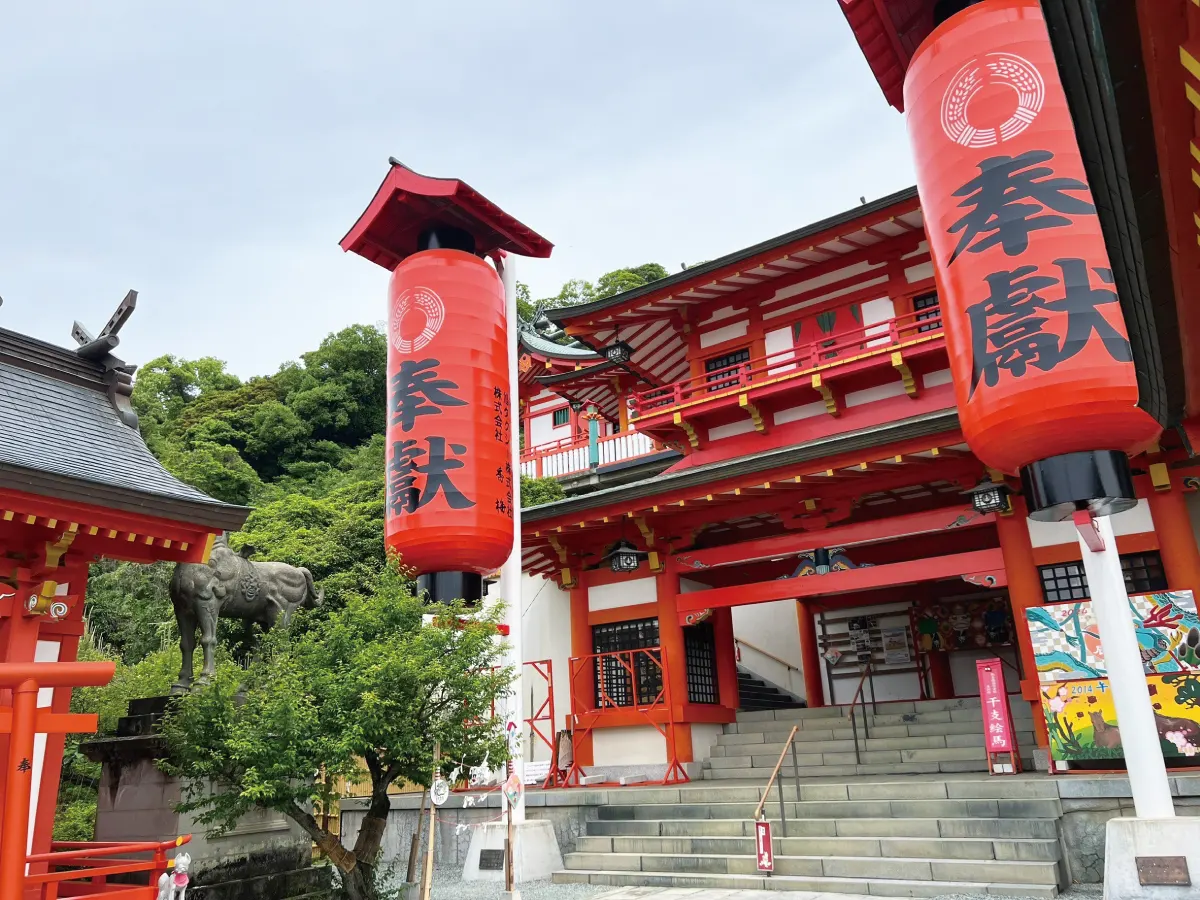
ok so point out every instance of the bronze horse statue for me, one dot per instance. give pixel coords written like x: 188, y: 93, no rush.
x: 232, y: 586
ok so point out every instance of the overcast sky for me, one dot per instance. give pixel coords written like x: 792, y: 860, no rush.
x: 211, y: 155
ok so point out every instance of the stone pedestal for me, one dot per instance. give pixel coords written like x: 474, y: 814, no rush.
x: 536, y: 856
x: 1159, y: 843
x: 265, y: 855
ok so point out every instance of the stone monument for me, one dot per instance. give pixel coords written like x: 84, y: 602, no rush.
x: 266, y: 855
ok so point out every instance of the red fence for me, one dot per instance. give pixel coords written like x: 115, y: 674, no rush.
x: 74, y: 869
x: 619, y: 681
x: 797, y: 362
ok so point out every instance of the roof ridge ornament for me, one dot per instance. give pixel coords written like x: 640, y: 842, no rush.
x: 101, y: 346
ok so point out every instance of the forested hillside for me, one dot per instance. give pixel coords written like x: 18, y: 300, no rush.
x: 305, y: 448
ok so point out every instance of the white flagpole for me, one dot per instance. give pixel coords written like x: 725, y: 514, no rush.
x: 510, y: 573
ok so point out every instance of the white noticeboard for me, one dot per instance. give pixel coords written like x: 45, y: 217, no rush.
x: 895, y: 645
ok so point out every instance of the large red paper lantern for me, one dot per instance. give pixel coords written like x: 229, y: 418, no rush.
x: 1039, y: 350
x: 449, y: 430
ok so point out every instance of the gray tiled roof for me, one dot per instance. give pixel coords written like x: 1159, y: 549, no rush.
x: 539, y: 344
x: 61, y: 436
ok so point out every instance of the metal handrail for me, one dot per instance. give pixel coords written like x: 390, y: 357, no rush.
x: 858, y: 694
x: 789, y: 743
x: 782, y: 662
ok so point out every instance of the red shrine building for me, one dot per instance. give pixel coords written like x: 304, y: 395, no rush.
x: 804, y: 504
x: 77, y: 485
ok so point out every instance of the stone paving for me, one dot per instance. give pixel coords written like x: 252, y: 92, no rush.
x: 642, y: 893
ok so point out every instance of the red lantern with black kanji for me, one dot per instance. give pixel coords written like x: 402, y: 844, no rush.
x: 449, y: 429
x: 1039, y: 350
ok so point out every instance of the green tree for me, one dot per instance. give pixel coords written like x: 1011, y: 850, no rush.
x: 366, y: 682
x: 536, y: 491
x: 620, y: 280
x: 128, y: 608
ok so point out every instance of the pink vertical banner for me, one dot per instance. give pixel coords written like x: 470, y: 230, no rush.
x: 997, y: 721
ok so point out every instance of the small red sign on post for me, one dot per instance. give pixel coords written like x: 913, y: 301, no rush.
x: 998, y: 733
x: 764, y: 849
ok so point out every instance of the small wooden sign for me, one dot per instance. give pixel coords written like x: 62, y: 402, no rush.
x: 1163, y: 870
x: 764, y: 849
x: 491, y: 860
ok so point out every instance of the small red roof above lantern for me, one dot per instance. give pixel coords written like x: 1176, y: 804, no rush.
x: 407, y: 203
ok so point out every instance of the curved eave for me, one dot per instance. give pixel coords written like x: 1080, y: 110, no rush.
x: 406, y: 202
x: 730, y: 264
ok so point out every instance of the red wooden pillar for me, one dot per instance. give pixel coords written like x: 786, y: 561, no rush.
x: 727, y: 680
x: 810, y: 656
x: 670, y: 638
x: 1024, y: 591
x: 1176, y: 540
x: 18, y: 644
x: 18, y: 786
x: 940, y: 677
x: 582, y: 680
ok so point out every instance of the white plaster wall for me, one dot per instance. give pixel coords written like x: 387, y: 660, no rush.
x: 779, y: 342
x: 632, y: 745
x: 726, y: 333
x: 794, y: 413
x: 1193, y: 507
x: 888, y: 686
x: 623, y: 593
x: 771, y: 627
x: 919, y: 272
x: 724, y: 312
x: 933, y: 379
x: 542, y: 430
x: 1132, y: 521
x: 881, y: 310
x: 45, y: 651
x: 966, y: 676
x: 742, y: 426
x: 871, y: 394
x: 546, y: 634
x: 704, y: 738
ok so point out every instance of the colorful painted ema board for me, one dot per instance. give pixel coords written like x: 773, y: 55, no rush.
x: 1076, y: 698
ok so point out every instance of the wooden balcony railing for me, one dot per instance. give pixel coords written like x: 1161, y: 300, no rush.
x: 571, y: 455
x: 837, y: 350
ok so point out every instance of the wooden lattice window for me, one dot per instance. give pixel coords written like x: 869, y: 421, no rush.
x: 611, y: 672
x: 1067, y: 581
x: 719, y: 378
x: 700, y: 646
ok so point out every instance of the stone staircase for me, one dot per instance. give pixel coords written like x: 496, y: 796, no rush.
x: 907, y: 738
x: 755, y: 694
x: 911, y: 828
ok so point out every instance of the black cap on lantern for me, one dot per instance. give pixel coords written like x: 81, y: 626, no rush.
x: 624, y: 557
x: 821, y: 560
x: 989, y: 497
x: 576, y: 405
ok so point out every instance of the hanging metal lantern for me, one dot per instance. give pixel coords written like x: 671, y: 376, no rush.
x: 989, y: 497
x: 1042, y: 365
x: 624, y: 557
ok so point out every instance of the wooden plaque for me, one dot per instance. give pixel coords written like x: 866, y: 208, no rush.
x: 1163, y: 870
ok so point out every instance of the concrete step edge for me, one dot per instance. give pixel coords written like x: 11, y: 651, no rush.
x: 851, y: 885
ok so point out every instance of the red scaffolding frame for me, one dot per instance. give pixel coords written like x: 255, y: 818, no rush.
x: 543, y: 714
x: 659, y: 712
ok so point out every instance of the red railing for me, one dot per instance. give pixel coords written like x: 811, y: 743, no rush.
x: 570, y: 455
x: 77, y: 869
x: 797, y: 362
x: 641, y: 684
